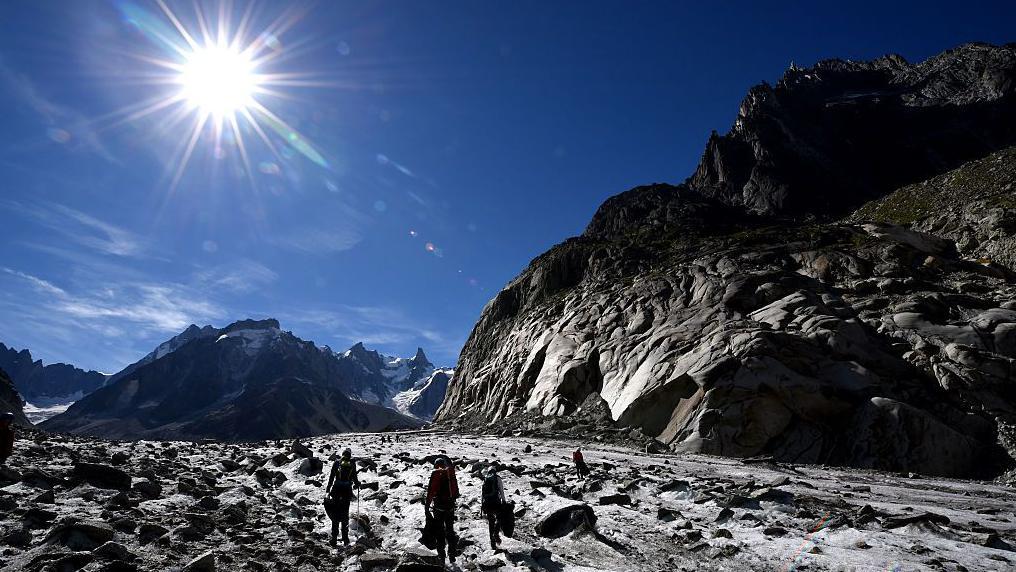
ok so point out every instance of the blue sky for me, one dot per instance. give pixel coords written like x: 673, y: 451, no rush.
x: 487, y: 130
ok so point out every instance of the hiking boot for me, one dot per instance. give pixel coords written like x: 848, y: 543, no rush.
x: 345, y: 540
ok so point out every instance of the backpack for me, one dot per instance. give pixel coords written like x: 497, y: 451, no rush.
x: 490, y: 489
x: 447, y: 485
x: 489, y: 492
x: 343, y: 488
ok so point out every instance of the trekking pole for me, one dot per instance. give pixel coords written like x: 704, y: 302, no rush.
x: 358, y: 500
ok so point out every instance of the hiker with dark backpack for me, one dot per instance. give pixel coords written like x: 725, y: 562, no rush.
x: 339, y: 493
x: 442, y: 490
x: 492, y: 503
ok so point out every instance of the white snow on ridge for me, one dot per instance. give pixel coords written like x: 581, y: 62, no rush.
x: 253, y: 339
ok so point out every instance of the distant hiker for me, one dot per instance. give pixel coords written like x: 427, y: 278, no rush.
x: 339, y: 493
x: 442, y: 491
x: 580, y: 463
x: 6, y: 436
x: 491, y: 502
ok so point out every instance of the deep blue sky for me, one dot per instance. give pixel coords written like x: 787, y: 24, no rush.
x: 492, y: 130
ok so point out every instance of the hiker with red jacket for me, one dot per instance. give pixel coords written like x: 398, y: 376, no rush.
x: 6, y: 437
x: 442, y: 491
x: 580, y: 463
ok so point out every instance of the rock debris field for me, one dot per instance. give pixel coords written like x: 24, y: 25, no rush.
x: 69, y: 503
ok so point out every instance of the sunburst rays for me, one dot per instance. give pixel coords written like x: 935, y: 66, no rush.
x: 218, y: 82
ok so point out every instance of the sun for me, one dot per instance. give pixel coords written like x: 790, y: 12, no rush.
x: 218, y: 80
x: 226, y: 85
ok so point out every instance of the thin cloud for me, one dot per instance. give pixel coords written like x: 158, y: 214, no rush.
x: 318, y: 241
x: 83, y: 229
x: 79, y: 129
x: 240, y: 277
x: 38, y: 283
x: 145, y: 307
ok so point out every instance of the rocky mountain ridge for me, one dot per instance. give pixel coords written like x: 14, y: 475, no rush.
x: 733, y: 314
x: 826, y: 139
x: 53, y: 382
x: 248, y: 380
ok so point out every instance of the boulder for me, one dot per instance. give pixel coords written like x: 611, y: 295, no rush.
x: 80, y: 535
x: 301, y: 450
x: 615, y: 499
x: 310, y: 466
x: 203, y: 563
x: 563, y: 520
x: 147, y: 489
x: 102, y: 476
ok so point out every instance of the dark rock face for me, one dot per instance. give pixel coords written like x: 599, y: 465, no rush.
x: 684, y: 313
x: 826, y: 139
x: 37, y: 381
x: 192, y: 332
x: 10, y: 400
x: 250, y: 380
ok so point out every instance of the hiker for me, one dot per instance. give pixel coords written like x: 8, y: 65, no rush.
x: 339, y: 493
x: 491, y: 502
x: 580, y: 463
x: 6, y: 437
x: 442, y: 491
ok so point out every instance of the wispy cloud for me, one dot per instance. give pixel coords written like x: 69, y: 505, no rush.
x: 38, y: 283
x: 318, y: 241
x: 239, y: 277
x: 82, y: 228
x: 67, y: 125
x: 145, y: 307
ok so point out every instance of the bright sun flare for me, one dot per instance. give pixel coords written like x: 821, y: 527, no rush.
x: 218, y: 80
x: 226, y: 86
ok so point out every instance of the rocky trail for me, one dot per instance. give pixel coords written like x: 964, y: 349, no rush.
x: 71, y: 503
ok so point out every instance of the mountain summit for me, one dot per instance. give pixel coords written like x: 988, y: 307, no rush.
x: 734, y: 315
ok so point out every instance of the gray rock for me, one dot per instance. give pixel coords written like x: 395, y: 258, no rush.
x: 563, y: 520
x: 103, y: 476
x: 203, y: 563
x: 149, y: 532
x: 114, y: 551
x: 148, y: 489
x: 83, y: 535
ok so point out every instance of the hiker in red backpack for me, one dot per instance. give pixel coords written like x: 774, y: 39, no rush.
x: 442, y: 491
x: 6, y: 437
x: 580, y: 463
